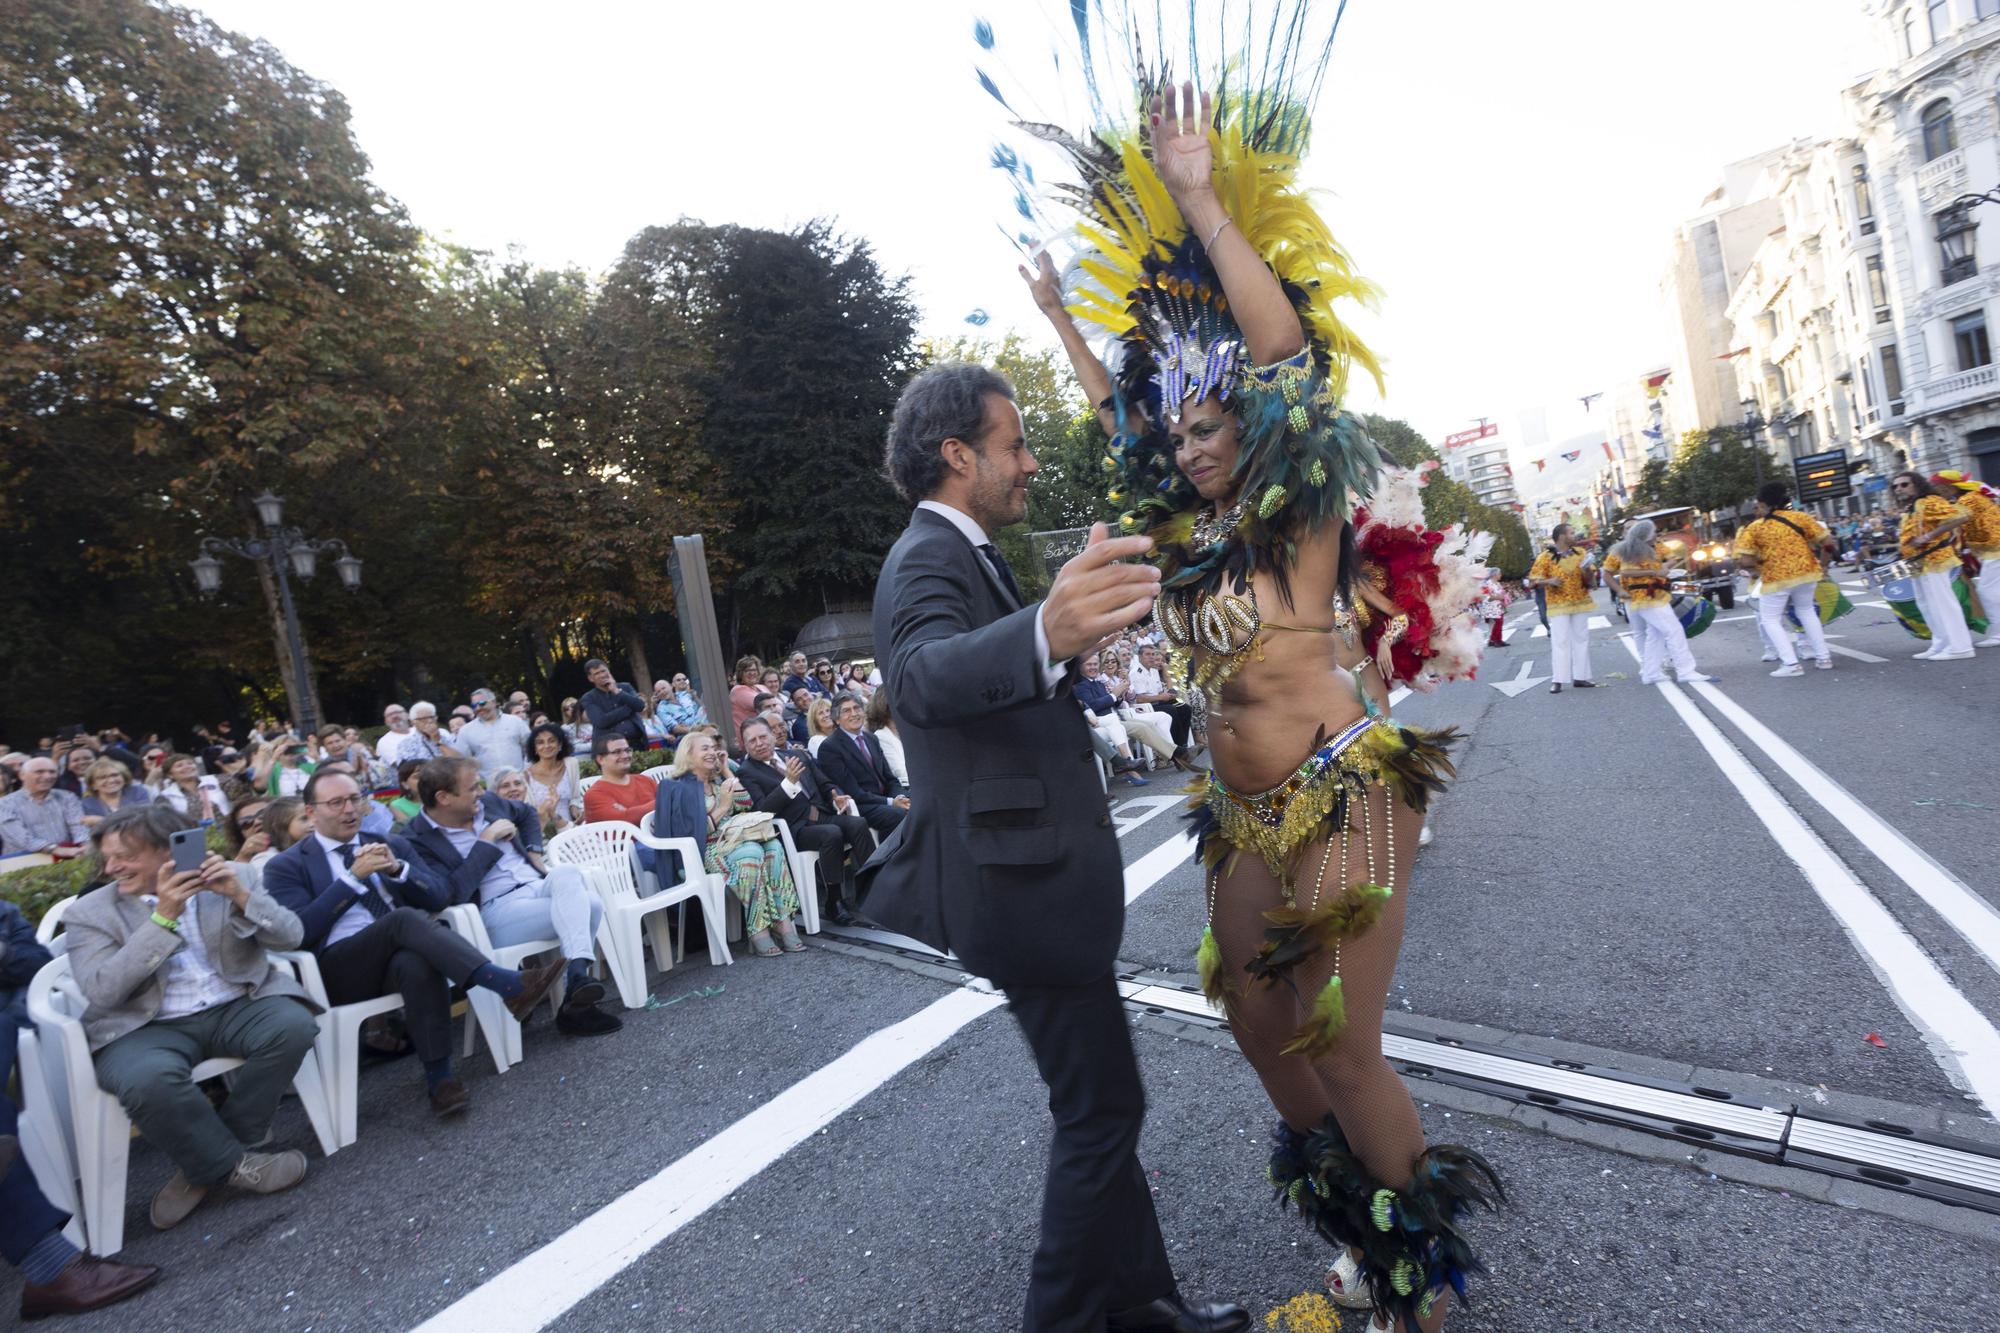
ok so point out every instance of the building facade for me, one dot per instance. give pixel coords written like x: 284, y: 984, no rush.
x: 1485, y: 467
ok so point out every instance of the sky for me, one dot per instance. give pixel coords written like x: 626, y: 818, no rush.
x: 1509, y: 173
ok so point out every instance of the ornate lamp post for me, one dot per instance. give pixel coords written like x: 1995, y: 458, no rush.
x: 281, y: 547
x: 1753, y: 427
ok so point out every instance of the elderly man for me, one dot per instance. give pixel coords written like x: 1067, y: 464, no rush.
x: 854, y: 763
x: 38, y: 818
x: 788, y: 784
x: 677, y: 708
x: 401, y: 732
x: 497, y: 740
x: 613, y: 706
x: 1149, y: 687
x: 427, y: 740
x: 489, y: 851
x: 174, y: 966
x: 365, y: 903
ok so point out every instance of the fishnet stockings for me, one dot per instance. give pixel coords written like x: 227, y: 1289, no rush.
x: 1353, y: 1080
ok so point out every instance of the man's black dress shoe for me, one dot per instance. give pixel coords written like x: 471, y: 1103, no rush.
x: 1168, y: 1315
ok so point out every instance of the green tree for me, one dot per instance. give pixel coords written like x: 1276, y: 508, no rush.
x: 1715, y: 469
x: 1658, y: 487
x: 1447, y: 501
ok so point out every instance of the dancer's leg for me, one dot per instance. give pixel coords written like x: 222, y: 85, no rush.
x: 1805, y: 605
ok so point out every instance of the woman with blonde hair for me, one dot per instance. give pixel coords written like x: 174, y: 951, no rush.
x: 819, y: 724
x: 107, y: 789
x: 702, y: 800
x: 884, y: 728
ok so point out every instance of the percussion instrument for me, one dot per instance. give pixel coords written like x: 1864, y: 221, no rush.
x: 1901, y: 595
x: 1829, y: 599
x: 1696, y: 613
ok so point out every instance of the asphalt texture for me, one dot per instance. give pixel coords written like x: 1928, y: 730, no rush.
x: 1595, y: 887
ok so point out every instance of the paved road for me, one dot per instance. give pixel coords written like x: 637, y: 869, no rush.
x: 1600, y: 885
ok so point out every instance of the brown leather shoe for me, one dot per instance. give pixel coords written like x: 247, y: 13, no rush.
x: 449, y: 1098
x: 535, y: 983
x: 88, y: 1284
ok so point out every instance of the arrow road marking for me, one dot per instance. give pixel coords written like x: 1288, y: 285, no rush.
x: 1514, y: 688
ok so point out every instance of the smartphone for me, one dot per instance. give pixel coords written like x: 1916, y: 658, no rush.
x: 190, y: 849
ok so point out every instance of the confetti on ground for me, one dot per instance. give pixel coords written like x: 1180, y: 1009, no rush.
x: 705, y: 993
x: 1875, y: 1039
x: 1306, y: 1313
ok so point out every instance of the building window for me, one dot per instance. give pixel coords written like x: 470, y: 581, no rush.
x: 1968, y: 334
x: 1939, y: 135
x: 1892, y: 377
x: 1867, y: 378
x: 1986, y: 9
x: 1864, y: 198
x: 1878, y: 289
x: 1912, y: 41
x: 1940, y: 19
x: 1853, y: 311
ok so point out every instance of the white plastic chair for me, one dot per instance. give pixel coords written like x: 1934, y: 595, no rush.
x: 805, y: 877
x: 44, y: 1143
x: 51, y: 922
x: 603, y: 852
x: 339, y: 1043
x: 585, y: 784
x: 489, y: 1012
x: 96, y: 1134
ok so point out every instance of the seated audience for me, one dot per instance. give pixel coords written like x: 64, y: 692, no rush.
x: 432, y: 741
x: 75, y: 765
x: 883, y: 728
x: 788, y: 784
x: 488, y: 850
x: 619, y: 795
x: 576, y: 722
x: 743, y: 694
x: 679, y: 709
x: 376, y: 818
x: 1148, y: 692
x: 173, y: 964
x: 186, y: 790
x: 401, y: 731
x: 285, y: 820
x: 798, y: 676
x: 245, y: 837
x: 38, y: 818
x: 1101, y: 711
x: 854, y: 763
x: 107, y: 789
x: 509, y: 784
x: 826, y: 679
x: 366, y: 903
x: 406, y: 805
x: 700, y: 800
x: 552, y: 780
x: 819, y: 725
x: 613, y: 705
x: 56, y: 1277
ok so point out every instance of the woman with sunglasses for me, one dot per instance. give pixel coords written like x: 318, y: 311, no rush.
x: 244, y: 837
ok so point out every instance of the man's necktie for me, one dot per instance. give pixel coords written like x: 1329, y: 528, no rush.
x: 992, y: 554
x: 372, y: 902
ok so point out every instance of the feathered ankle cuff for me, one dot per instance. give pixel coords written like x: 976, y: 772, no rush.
x: 1410, y: 1245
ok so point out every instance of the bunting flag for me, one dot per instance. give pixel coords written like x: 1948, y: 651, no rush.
x: 1572, y: 455
x: 1541, y: 464
x: 1609, y: 457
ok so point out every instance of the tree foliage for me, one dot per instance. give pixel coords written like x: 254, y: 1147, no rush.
x: 1447, y: 501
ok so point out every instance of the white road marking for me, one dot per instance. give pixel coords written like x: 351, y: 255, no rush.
x: 1521, y: 683
x: 1599, y: 622
x: 539, y: 1288
x: 1855, y: 653
x: 1129, y: 815
x: 1541, y: 632
x: 1965, y: 911
x: 1964, y: 1043
x: 1883, y: 605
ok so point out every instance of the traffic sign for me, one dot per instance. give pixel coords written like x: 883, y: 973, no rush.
x: 1822, y: 476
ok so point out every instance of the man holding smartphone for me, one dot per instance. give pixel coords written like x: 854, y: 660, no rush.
x: 171, y: 954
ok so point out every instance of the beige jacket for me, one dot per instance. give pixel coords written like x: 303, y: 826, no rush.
x: 115, y: 952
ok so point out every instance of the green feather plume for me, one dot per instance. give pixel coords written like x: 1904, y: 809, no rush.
x: 1322, y: 1028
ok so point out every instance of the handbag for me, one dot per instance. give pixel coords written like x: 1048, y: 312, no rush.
x: 750, y: 826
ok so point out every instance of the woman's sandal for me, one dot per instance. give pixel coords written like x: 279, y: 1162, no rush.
x: 760, y: 944
x: 787, y: 936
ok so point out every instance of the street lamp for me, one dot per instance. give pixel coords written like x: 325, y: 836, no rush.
x: 1955, y: 233
x: 279, y: 546
x: 1753, y: 424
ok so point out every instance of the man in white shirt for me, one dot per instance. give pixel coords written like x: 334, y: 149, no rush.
x: 489, y: 851
x: 389, y: 749
x: 1149, y: 687
x: 497, y: 740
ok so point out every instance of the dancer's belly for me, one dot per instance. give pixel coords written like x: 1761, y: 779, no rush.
x: 1270, y: 714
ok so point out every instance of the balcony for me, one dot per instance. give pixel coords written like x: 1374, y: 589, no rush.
x: 1949, y: 391
x: 1945, y: 176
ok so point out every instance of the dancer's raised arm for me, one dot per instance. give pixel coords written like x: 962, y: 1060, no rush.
x: 1186, y: 162
x: 1090, y: 371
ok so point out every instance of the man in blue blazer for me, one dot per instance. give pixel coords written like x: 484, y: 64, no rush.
x: 1008, y: 856
x: 854, y: 762
x: 366, y: 902
x: 488, y: 850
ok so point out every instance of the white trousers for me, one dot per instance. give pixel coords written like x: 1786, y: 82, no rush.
x: 1145, y: 729
x: 1569, y: 644
x: 561, y: 906
x: 1664, y: 639
x: 1946, y: 618
x: 1771, y: 614
x: 1989, y: 594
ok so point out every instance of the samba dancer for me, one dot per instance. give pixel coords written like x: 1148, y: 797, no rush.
x: 1982, y: 539
x: 1642, y: 581
x: 1783, y: 548
x: 1559, y: 572
x: 1927, y: 541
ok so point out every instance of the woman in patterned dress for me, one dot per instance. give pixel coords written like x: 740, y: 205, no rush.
x: 759, y: 875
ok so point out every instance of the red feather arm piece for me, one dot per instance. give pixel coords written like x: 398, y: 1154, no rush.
x: 1406, y: 559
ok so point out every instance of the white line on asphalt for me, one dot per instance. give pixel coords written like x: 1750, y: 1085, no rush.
x: 1965, y: 1045
x: 541, y: 1286
x: 1855, y: 653
x: 1129, y: 815
x: 1965, y: 911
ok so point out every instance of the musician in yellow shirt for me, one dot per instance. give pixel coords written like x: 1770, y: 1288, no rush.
x: 1982, y: 538
x: 1782, y: 547
x: 1927, y: 540
x: 1559, y: 572
x: 1641, y: 575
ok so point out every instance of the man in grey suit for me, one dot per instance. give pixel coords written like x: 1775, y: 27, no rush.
x: 174, y: 967
x: 1007, y: 856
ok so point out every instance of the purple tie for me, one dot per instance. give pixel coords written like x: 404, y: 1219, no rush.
x: 862, y: 746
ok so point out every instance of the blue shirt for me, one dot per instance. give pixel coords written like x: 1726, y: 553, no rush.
x: 682, y: 710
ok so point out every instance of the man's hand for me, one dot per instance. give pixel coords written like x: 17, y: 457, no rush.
x: 795, y: 769
x: 174, y: 889
x: 218, y: 877
x: 900, y: 802
x: 372, y: 859
x: 500, y: 830
x: 1094, y: 596
x: 844, y: 805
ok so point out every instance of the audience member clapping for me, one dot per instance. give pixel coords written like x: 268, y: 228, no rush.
x: 788, y: 784
x: 175, y: 968
x: 1108, y: 731
x: 553, y: 788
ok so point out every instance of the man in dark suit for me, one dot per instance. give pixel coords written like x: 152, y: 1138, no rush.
x: 366, y: 903
x: 788, y: 784
x: 1007, y: 856
x: 854, y: 762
